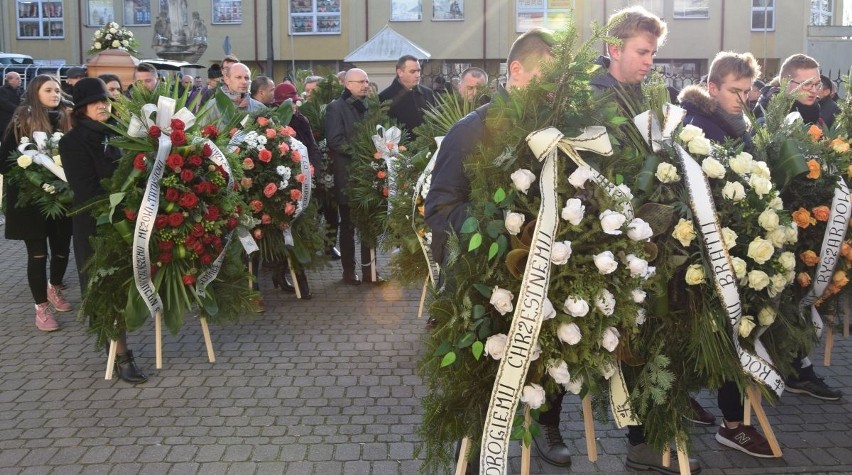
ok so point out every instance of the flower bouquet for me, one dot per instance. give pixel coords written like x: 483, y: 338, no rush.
x: 114, y: 36
x: 38, y: 175
x: 163, y: 244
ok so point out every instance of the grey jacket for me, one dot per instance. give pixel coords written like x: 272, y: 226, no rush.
x: 341, y: 115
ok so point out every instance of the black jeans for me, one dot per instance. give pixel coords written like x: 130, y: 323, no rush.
x: 58, y: 242
x: 347, y: 244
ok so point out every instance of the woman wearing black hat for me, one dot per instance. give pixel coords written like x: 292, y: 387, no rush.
x: 43, y: 110
x: 89, y: 160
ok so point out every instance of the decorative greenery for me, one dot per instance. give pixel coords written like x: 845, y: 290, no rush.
x: 114, y: 36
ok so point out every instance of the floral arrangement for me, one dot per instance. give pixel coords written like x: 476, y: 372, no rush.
x: 180, y: 193
x: 114, y: 36
x: 39, y: 176
x: 275, y: 185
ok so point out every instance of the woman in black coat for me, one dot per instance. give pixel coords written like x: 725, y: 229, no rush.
x: 43, y: 110
x: 89, y: 159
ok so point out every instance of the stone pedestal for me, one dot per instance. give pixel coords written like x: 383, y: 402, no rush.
x: 114, y: 61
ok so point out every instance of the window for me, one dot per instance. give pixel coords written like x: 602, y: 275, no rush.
x: 314, y: 17
x: 137, y: 12
x: 691, y: 9
x: 39, y: 19
x: 762, y: 15
x: 821, y: 12
x: 100, y: 13
x: 224, y: 12
x: 552, y: 14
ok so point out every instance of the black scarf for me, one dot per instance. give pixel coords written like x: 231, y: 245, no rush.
x: 353, y: 101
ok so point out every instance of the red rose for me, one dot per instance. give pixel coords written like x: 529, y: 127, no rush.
x: 197, y: 247
x: 385, y: 192
x: 166, y: 245
x: 295, y: 194
x: 165, y: 257
x: 210, y: 131
x: 130, y: 214
x: 381, y: 174
x: 233, y: 131
x: 257, y: 233
x: 188, y: 200
x: 188, y: 279
x: 256, y: 206
x: 161, y: 221
x: 194, y: 160
x: 296, y: 156
x: 197, y: 230
x: 212, y: 213
x: 177, y: 124
x: 206, y: 150
x: 186, y: 175
x: 172, y: 195
x: 289, y: 209
x: 300, y: 177
x: 174, y: 161
x: 270, y: 133
x: 175, y: 219
x: 189, y: 241
x: 232, y: 223
x: 269, y: 190
x: 262, y: 121
x: 178, y: 137
x: 265, y: 219
x: 264, y: 156
x: 217, y: 242
x: 154, y: 131
x: 288, y: 131
x: 207, y: 239
x: 139, y: 162
x: 206, y: 259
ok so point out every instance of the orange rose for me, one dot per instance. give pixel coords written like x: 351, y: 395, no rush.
x: 402, y: 148
x: 839, y: 145
x: 804, y: 279
x: 809, y: 258
x: 815, y: 132
x: 802, y: 218
x: 821, y: 213
x: 262, y: 121
x: 846, y: 250
x: 839, y: 279
x: 814, y: 168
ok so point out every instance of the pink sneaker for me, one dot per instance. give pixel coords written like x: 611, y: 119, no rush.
x: 55, y: 297
x: 44, y: 318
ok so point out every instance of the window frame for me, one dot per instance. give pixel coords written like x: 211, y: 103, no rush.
x: 315, y: 16
x: 678, y: 16
x: 41, y: 17
x: 772, y: 13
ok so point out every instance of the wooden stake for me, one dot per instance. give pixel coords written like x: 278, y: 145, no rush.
x: 589, y: 424
x: 113, y: 346
x: 754, y: 399
x: 667, y: 458
x: 461, y: 464
x: 525, y: 449
x: 682, y: 459
x: 158, y: 339
x: 423, y: 297
x: 251, y: 274
x: 293, y: 278
x: 747, y: 408
x: 829, y: 342
x: 373, y: 272
x: 211, y: 356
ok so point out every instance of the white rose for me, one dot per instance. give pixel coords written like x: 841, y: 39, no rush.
x: 129, y: 34
x: 57, y: 160
x: 792, y: 233
x: 98, y: 34
x: 605, y: 302
x: 760, y: 185
x: 522, y: 179
x: 560, y: 252
x: 652, y: 271
x: 628, y: 193
x: 502, y: 300
x: 575, y: 306
x: 761, y: 169
x: 612, y: 221
x: 639, y: 230
x: 607, y: 371
x: 108, y: 37
x: 495, y: 345
x: 740, y: 267
x: 573, y: 211
x: 778, y: 237
x: 113, y: 30
x: 768, y: 219
x: 97, y: 45
x: 777, y: 284
x: 124, y: 43
x: 48, y: 188
x: 560, y: 373
x: 575, y: 386
x: 638, y: 295
x: 667, y: 173
x: 689, y: 132
x: 24, y: 161
x: 536, y: 352
x: 790, y: 276
x: 741, y: 164
x: 684, y: 232
x: 25, y: 140
x: 569, y: 333
x: 694, y: 274
x: 713, y: 168
x: 776, y: 203
x: 533, y: 396
x: 609, y: 340
x: 580, y: 176
x: 746, y: 326
x: 638, y: 266
x: 514, y: 221
x: 547, y: 310
x: 734, y: 191
x: 700, y: 146
x: 729, y: 237
x: 605, y: 262
x: 640, y: 316
x: 766, y: 316
x: 760, y: 250
x: 787, y: 260
x: 116, y: 43
x: 758, y: 280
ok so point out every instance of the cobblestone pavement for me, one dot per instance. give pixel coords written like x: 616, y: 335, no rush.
x: 324, y: 386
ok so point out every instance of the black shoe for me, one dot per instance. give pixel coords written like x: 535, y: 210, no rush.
x: 810, y: 384
x: 127, y: 370
x: 551, y: 447
x: 351, y: 279
x: 432, y: 322
x: 304, y: 288
x: 280, y: 281
x: 334, y: 253
x: 699, y: 415
x: 642, y: 457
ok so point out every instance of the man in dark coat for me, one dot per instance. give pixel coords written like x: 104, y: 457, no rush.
x: 10, y: 99
x: 408, y: 97
x: 341, y: 115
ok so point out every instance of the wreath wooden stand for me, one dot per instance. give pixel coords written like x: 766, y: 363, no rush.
x: 753, y: 402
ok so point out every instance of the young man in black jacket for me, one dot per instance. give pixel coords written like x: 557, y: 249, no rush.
x: 408, y: 97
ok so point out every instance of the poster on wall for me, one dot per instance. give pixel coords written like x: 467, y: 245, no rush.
x: 227, y: 11
x: 100, y: 12
x: 447, y: 10
x: 137, y: 12
x: 406, y: 10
